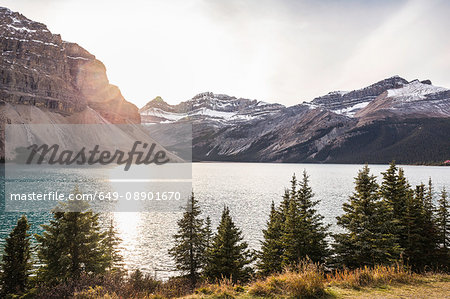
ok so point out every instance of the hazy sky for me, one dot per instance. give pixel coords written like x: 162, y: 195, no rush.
x: 272, y: 50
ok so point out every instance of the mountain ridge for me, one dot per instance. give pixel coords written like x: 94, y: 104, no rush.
x: 375, y: 118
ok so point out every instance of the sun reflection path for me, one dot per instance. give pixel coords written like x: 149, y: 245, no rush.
x: 147, y: 231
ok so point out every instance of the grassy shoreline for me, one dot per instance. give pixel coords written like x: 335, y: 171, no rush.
x: 306, y: 281
x: 433, y: 286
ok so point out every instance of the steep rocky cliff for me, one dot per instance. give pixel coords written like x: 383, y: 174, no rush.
x: 41, y: 73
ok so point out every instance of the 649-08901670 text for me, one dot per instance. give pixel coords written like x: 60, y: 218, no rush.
x: 102, y: 196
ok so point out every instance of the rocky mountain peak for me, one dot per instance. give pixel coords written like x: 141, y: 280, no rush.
x: 414, y: 99
x: 18, y: 22
x: 203, y: 95
x: 15, y: 26
x: 350, y: 102
x: 208, y: 106
x: 158, y: 103
x: 415, y: 89
x: 219, y: 102
x: 39, y: 69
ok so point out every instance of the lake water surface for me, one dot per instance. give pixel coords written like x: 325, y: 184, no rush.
x: 247, y: 189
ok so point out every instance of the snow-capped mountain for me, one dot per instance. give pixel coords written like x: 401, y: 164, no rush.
x: 207, y: 106
x: 394, y: 95
x: 378, y: 123
x: 415, y: 99
x: 350, y: 102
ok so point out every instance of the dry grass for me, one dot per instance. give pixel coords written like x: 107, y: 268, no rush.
x: 143, y: 288
x: 225, y: 288
x: 435, y: 286
x: 306, y: 281
x: 99, y: 292
x: 371, y: 277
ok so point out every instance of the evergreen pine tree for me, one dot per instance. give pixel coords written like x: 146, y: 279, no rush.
x: 396, y: 191
x: 430, y: 228
x: 16, y: 260
x: 368, y: 240
x: 284, y: 206
x: 111, y: 244
x: 208, y: 234
x: 443, y: 220
x: 414, y: 251
x: 294, y: 183
x: 443, y: 228
x: 428, y: 202
x: 228, y: 256
x: 420, y: 250
x: 189, y: 249
x: 285, y: 203
x: 316, y: 244
x: 290, y: 226
x: 270, y: 256
x: 430, y: 231
x: 293, y: 227
x: 304, y: 234
x: 72, y: 243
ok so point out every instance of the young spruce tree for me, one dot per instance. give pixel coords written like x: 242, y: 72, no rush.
x: 208, y: 235
x: 443, y: 220
x: 315, y: 240
x: 111, y: 244
x: 295, y: 231
x: 16, y: 260
x: 270, y: 256
x: 430, y: 227
x: 368, y: 240
x: 416, y: 245
x: 290, y: 227
x: 304, y: 234
x: 72, y: 243
x: 228, y: 256
x: 189, y: 251
x: 293, y: 238
x: 443, y: 227
x: 422, y: 249
x: 396, y: 192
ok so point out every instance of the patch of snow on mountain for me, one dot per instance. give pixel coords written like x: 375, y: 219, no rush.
x: 164, y: 114
x: 214, y: 113
x: 82, y: 58
x: 340, y: 92
x: 20, y: 28
x: 243, y: 117
x: 351, y: 111
x: 311, y: 106
x: 171, y: 116
x: 414, y: 91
